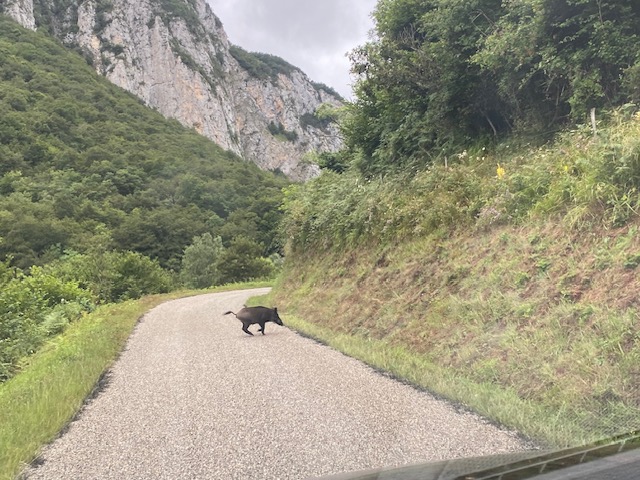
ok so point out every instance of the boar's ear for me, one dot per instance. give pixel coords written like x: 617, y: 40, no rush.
x: 275, y: 309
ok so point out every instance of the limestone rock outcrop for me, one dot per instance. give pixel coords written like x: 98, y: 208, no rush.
x: 22, y: 12
x: 176, y: 57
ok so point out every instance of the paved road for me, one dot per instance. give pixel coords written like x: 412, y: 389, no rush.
x: 193, y: 397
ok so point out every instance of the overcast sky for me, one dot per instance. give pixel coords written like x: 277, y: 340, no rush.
x: 314, y: 35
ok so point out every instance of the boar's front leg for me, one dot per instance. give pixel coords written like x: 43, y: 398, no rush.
x: 262, y: 324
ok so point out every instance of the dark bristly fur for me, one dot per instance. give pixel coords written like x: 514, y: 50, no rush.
x: 260, y: 315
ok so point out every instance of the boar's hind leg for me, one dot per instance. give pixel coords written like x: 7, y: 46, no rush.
x: 262, y: 324
x: 245, y: 329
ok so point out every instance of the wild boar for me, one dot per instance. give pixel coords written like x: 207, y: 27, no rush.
x: 260, y: 315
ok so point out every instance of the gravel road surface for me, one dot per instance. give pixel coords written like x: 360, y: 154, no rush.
x: 193, y: 397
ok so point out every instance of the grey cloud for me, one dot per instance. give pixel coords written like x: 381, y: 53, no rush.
x: 313, y: 35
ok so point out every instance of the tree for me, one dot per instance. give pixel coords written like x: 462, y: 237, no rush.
x: 112, y: 276
x: 554, y: 60
x: 441, y: 74
x: 137, y: 275
x: 243, y: 261
x: 417, y: 91
x: 161, y: 233
x: 199, y: 262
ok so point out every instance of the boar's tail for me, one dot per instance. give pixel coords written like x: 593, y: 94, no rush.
x: 227, y: 313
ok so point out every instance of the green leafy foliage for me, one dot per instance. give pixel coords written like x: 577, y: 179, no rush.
x: 242, y: 261
x: 581, y: 50
x: 321, y: 87
x: 262, y: 66
x: 416, y: 90
x: 112, y: 276
x: 278, y: 130
x: 79, y: 155
x: 181, y: 9
x: 334, y: 161
x: 206, y: 262
x: 34, y: 306
x: 325, y: 115
x: 443, y: 73
x: 199, y: 262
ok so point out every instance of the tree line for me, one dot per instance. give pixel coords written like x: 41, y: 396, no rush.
x: 80, y: 157
x: 440, y: 74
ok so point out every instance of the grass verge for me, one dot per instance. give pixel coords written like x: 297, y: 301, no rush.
x: 544, y: 426
x: 43, y: 398
x: 528, y: 326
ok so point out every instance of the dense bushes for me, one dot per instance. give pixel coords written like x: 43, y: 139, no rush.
x: 200, y: 260
x: 39, y: 303
x: 442, y: 73
x: 242, y: 261
x: 34, y: 306
x: 112, y: 276
x: 279, y: 131
x: 206, y: 262
x: 583, y: 178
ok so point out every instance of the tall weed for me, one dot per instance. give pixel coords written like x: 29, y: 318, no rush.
x: 34, y: 306
x: 582, y: 178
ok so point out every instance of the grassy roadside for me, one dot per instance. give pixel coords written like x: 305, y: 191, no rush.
x: 40, y: 401
x: 508, y: 275
x: 530, y: 326
x: 500, y: 405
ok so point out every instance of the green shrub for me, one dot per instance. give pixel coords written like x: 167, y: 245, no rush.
x: 33, y: 307
x: 199, y: 262
x: 279, y: 131
x: 311, y: 120
x: 60, y: 316
x: 319, y: 86
x: 137, y: 275
x: 262, y: 66
x: 113, y: 276
x: 243, y: 261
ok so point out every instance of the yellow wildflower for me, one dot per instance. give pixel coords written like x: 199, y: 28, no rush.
x: 500, y: 171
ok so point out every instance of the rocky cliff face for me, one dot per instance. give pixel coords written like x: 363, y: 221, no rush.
x: 175, y: 56
x: 21, y: 11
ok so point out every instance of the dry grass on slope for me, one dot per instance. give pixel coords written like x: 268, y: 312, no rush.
x: 544, y: 315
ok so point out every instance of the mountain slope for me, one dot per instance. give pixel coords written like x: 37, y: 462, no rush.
x: 175, y: 56
x: 84, y: 163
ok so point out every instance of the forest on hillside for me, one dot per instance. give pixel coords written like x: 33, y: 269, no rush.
x: 103, y: 199
x: 80, y: 158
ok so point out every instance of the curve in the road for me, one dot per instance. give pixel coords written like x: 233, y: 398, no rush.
x: 193, y: 397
